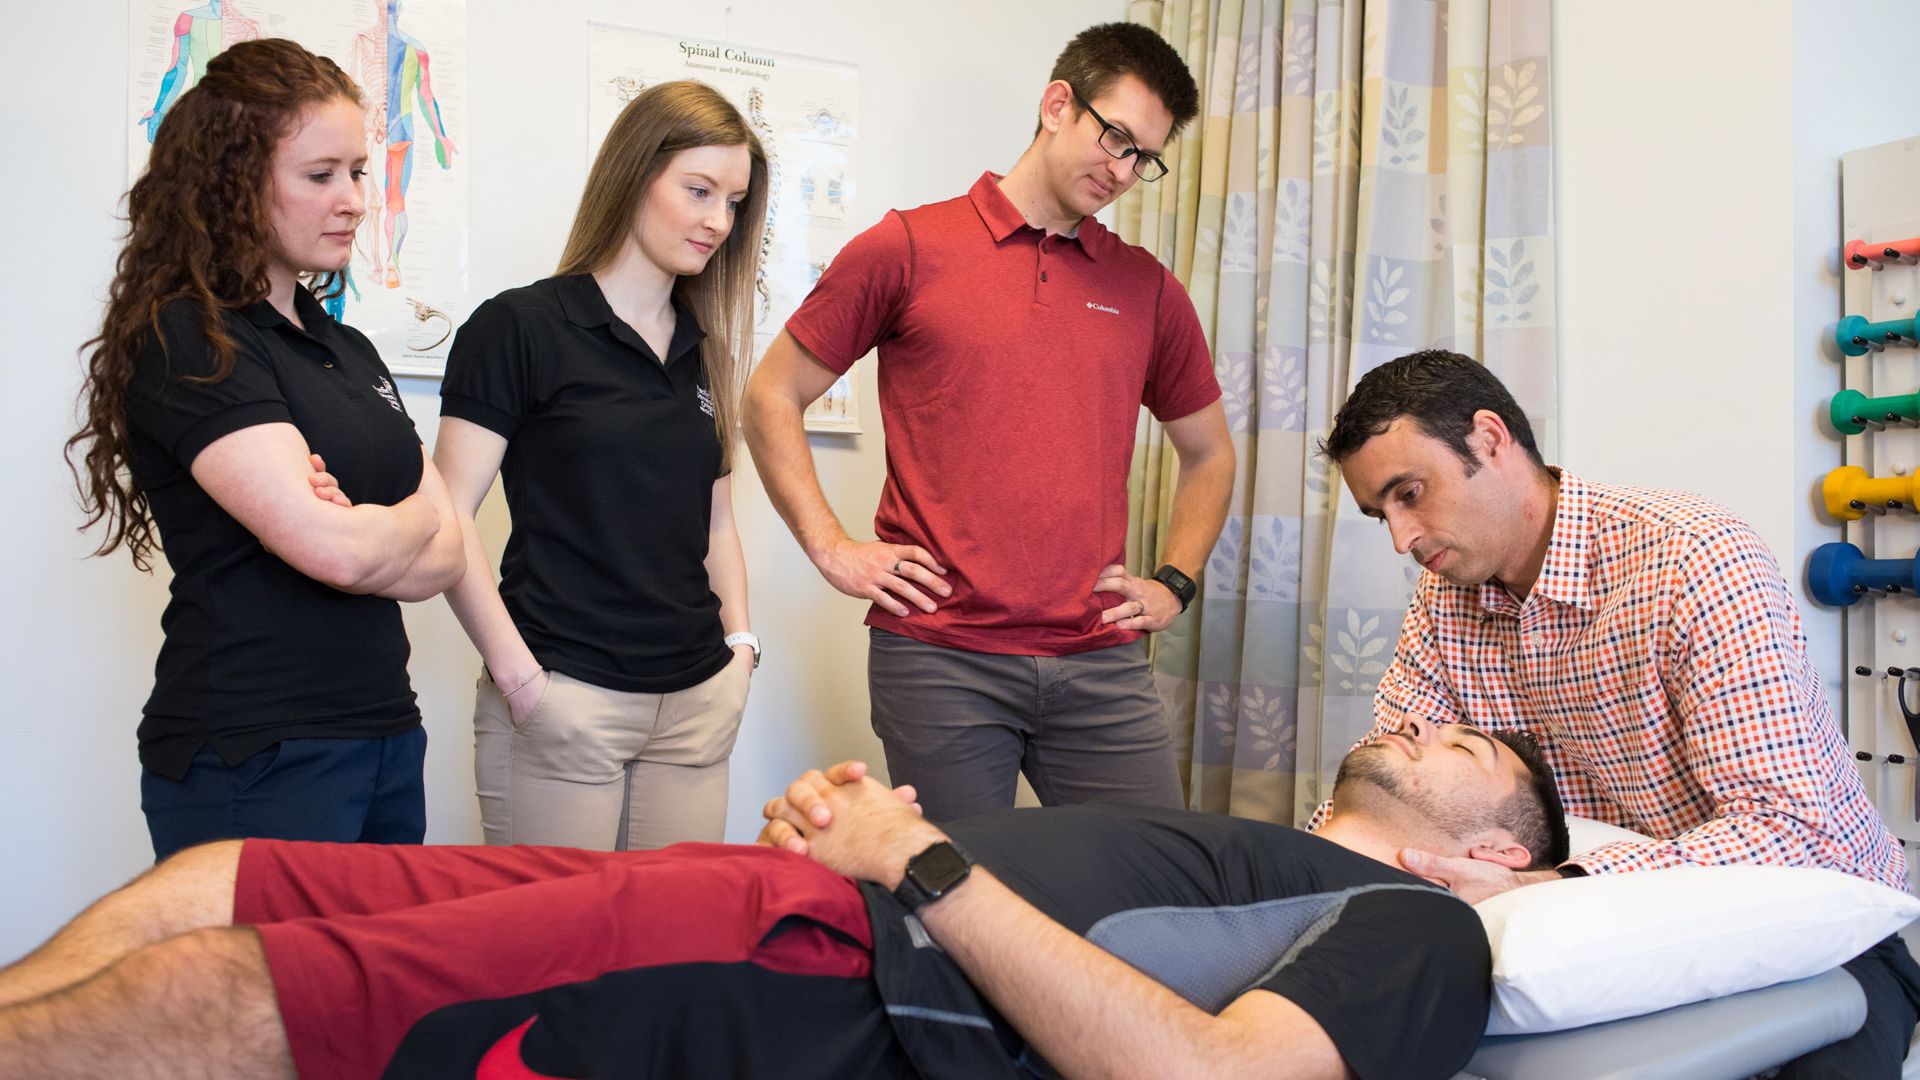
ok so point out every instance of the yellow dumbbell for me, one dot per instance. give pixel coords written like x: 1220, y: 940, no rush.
x: 1851, y: 494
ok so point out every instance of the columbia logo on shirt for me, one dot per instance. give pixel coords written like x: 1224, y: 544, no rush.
x: 385, y: 389
x: 1102, y: 307
x: 706, y: 401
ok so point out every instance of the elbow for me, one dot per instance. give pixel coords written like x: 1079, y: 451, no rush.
x: 346, y: 568
x: 444, y: 574
x: 753, y: 406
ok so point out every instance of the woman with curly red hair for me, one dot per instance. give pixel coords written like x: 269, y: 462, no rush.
x: 230, y: 417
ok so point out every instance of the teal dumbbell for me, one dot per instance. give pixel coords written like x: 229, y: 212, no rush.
x: 1853, y: 412
x: 1858, y: 337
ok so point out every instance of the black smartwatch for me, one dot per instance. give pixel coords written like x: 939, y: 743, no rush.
x: 933, y: 874
x: 1179, y: 584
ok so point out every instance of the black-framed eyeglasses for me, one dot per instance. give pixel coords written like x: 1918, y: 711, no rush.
x: 1119, y: 144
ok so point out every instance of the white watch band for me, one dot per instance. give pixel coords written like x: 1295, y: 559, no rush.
x: 746, y: 638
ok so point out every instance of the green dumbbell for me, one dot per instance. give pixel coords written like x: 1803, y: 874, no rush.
x: 1854, y: 412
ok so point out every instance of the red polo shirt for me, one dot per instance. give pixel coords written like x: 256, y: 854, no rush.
x: 1013, y: 366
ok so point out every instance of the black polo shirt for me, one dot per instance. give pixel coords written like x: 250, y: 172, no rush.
x: 610, y: 465
x: 256, y: 651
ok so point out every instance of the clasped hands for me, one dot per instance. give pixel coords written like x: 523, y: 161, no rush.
x: 850, y: 823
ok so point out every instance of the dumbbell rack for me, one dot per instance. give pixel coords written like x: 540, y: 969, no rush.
x: 1880, y: 203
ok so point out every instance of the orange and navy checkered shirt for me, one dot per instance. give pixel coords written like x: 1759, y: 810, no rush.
x: 1660, y: 663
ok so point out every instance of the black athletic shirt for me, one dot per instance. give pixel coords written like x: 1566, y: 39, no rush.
x: 256, y: 651
x: 1396, y: 971
x: 610, y: 465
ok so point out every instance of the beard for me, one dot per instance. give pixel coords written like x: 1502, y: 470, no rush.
x: 1368, y: 783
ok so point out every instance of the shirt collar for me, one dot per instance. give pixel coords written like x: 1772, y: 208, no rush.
x: 585, y: 305
x: 312, y: 315
x: 1003, y: 219
x: 1566, y: 575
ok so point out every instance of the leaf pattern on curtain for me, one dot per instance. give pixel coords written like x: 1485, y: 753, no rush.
x: 1366, y: 178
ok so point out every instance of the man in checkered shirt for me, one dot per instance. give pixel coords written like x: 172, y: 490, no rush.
x: 1647, y: 639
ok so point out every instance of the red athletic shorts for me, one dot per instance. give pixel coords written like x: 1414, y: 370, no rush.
x: 701, y: 959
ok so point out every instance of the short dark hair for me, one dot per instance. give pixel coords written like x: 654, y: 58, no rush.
x: 1439, y: 391
x: 1533, y: 813
x: 1099, y: 56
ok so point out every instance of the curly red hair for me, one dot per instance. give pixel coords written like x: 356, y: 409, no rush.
x: 198, y: 230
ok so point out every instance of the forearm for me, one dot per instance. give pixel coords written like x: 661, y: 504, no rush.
x: 1748, y: 834
x: 476, y: 602
x: 1093, y: 1015
x: 777, y: 438
x: 727, y: 576
x: 366, y: 548
x: 1199, y: 510
x: 439, y: 562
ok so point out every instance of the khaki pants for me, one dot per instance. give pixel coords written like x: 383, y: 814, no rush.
x: 608, y: 770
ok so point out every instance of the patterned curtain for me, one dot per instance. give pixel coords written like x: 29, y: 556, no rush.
x: 1367, y: 178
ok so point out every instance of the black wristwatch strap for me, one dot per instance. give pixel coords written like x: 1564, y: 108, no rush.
x: 1179, y: 584
x: 932, y: 874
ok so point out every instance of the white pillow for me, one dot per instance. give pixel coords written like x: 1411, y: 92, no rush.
x: 1585, y: 834
x: 1585, y: 950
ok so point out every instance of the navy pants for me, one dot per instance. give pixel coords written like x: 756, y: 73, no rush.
x: 343, y: 790
x: 1892, y: 983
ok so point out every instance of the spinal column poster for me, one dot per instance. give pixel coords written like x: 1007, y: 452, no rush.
x: 803, y: 109
x: 406, y: 287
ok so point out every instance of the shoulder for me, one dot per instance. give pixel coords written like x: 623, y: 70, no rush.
x: 1614, y: 505
x: 1421, y: 921
x: 500, y: 323
x: 180, y: 345
x: 943, y: 212
x: 1128, y: 258
x: 1675, y: 523
x: 543, y: 299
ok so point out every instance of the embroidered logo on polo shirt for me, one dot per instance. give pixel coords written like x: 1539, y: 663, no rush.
x: 385, y: 390
x: 1091, y: 306
x: 706, y: 401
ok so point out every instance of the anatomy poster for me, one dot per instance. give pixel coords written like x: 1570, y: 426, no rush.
x: 803, y: 110
x: 407, y: 283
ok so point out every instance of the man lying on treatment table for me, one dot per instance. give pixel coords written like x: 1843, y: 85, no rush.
x: 859, y: 940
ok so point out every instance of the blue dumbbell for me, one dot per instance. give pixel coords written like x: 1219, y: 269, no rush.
x: 1839, y: 574
x: 1857, y: 337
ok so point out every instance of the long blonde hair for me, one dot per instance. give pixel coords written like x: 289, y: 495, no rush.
x: 659, y: 123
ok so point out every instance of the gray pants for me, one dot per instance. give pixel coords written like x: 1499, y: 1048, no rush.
x: 961, y: 726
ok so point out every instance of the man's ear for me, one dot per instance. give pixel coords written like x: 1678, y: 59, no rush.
x: 1502, y: 849
x: 1489, y: 434
x: 1055, y: 101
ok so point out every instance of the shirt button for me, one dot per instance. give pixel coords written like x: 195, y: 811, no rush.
x: 1043, y: 276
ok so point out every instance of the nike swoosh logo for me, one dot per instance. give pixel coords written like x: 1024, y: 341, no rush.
x: 503, y: 1061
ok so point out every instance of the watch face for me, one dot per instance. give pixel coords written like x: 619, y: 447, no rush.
x: 938, y: 868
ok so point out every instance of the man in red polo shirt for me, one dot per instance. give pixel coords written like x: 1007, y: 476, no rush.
x: 1018, y: 339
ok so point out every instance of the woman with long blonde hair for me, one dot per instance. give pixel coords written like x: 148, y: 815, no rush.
x: 616, y: 643
x: 220, y: 400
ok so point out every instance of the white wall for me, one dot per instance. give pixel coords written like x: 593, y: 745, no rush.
x: 1697, y: 201
x: 1674, y: 197
x: 1832, y: 114
x: 942, y: 96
